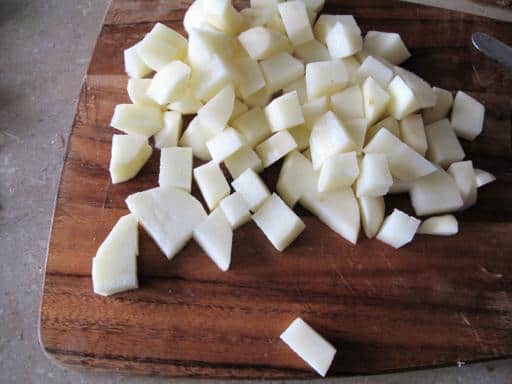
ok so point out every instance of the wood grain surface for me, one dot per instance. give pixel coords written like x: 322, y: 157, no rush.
x: 435, y: 302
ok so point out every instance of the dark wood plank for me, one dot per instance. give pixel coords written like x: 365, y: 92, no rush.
x: 434, y: 302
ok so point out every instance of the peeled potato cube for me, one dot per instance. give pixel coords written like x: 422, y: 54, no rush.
x: 253, y: 190
x: 276, y: 147
x: 224, y: 144
x: 464, y: 176
x: 204, y: 43
x: 253, y: 126
x: 171, y: 132
x: 114, y: 269
x: 176, y: 168
x: 444, y: 102
x: 412, y: 132
x: 325, y: 78
x: 161, y: 46
x: 194, y: 16
x: 196, y: 136
x: 372, y: 214
x: 259, y: 99
x: 389, y: 123
x: 222, y: 15
x: 398, y: 229
x: 241, y: 160
x: 129, y: 154
x: 134, y: 65
x: 375, y: 178
x: 278, y: 222
x: 169, y: 82
x: 446, y: 225
x: 348, y: 104
x: 483, y: 177
x: 314, y: 109
x: 443, y: 146
x: 338, y: 171
x: 280, y: 70
x: 387, y: 45
x: 209, y: 82
x: 211, y: 183
x: 375, y: 100
x: 312, y: 51
x: 343, y: 41
x: 403, y: 102
x: 169, y: 216
x: 296, y: 178
x: 328, y: 137
x: 296, y: 21
x: 215, y: 236
x: 467, y: 116
x: 236, y: 210
x: 249, y: 78
x: 138, y: 119
x: 371, y: 67
x: 284, y: 112
x: 186, y: 103
x: 326, y: 22
x: 216, y: 113
x: 298, y: 86
x: 137, y: 92
x: 261, y: 43
x: 301, y: 135
x: 434, y: 194
x: 423, y: 92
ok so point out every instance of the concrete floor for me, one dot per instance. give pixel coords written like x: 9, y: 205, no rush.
x: 45, y: 48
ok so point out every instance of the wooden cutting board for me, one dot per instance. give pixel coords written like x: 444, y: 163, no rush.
x: 435, y: 302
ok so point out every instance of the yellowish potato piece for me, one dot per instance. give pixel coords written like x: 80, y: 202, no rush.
x: 296, y: 178
x: 403, y: 102
x: 444, y: 102
x: 464, y: 176
x: 212, y: 184
x: 338, y: 171
x: 170, y: 134
x: 224, y: 144
x: 176, y: 168
x: 169, y: 83
x: 375, y: 178
x: 284, y: 112
x: 376, y: 69
x: 253, y: 126
x: 134, y: 66
x: 483, y: 177
x: 412, y: 132
x: 262, y: 43
x: 375, y: 99
x: 343, y: 40
x: 372, y: 214
x: 242, y: 160
x: 137, y: 92
x: 312, y: 51
x: 389, y: 123
x: 129, y: 154
x: 296, y: 21
x: 467, y: 116
x: 445, y: 225
x: 138, y: 119
x: 216, y: 113
x: 386, y: 45
x: 398, y: 229
x: 280, y: 70
x: 275, y: 147
x: 236, y: 210
x: 252, y: 189
x: 348, y: 104
x: 249, y: 78
x: 444, y: 147
x: 325, y: 78
x: 186, y: 103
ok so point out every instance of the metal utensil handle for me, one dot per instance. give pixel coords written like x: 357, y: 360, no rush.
x: 493, y: 48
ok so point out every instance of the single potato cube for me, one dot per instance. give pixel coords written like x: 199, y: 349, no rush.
x: 483, y: 177
x: 412, y: 132
x: 253, y: 126
x: 194, y: 16
x: 211, y: 183
x: 389, y: 123
x: 138, y: 119
x: 170, y: 134
x: 444, y: 102
x: 423, y: 92
x: 446, y: 225
x: 241, y: 160
x: 386, y: 45
x: 249, y: 78
x: 296, y: 178
x: 375, y: 178
x: 253, y: 190
x: 375, y: 100
x: 129, y: 154
x: 137, y: 92
x: 403, y: 101
x: 372, y: 214
x: 309, y: 345
x: 216, y: 113
x: 186, y: 103
x: 276, y: 147
x: 296, y: 21
x: 348, y: 104
x: 169, y: 82
x: 236, y: 210
x: 325, y: 78
x: 326, y: 22
x: 464, y: 176
x: 398, y: 229
x: 176, y: 168
x: 262, y: 43
x: 314, y: 109
x: 196, y: 136
x: 215, y: 236
x: 467, y: 116
x: 357, y: 128
x: 209, y: 82
x: 298, y: 86
x: 338, y: 171
x: 204, y: 43
x: 343, y: 41
x: 225, y: 144
x: 222, y: 15
x: 284, y: 112
x: 134, y: 66
x: 311, y: 52
x: 380, y: 72
x: 280, y: 70
x: 443, y: 146
x: 278, y: 222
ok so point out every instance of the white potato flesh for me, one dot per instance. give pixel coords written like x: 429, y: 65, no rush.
x: 386, y: 45
x: 389, y: 123
x: 114, y: 269
x: 206, y: 42
x: 236, y: 210
x: 280, y: 70
x: 225, y: 144
x: 328, y: 137
x: 343, y: 41
x: 467, y: 116
x: 238, y: 110
x: 211, y: 183
x: 241, y: 160
x: 412, y: 132
x: 298, y: 86
x: 196, y: 136
x: 208, y: 83
x: 422, y: 90
x: 326, y: 22
x: 194, y: 17
x: 215, y: 114
x: 324, y: 78
x: 483, y: 177
x: 215, y: 236
x: 338, y: 171
x: 134, y: 66
x: 337, y: 209
x: 296, y: 178
x: 301, y: 135
x: 284, y: 112
x: 253, y: 126
x: 169, y: 83
x: 169, y: 215
x: 253, y: 190
x: 138, y: 119
x: 137, y: 92
x: 374, y: 68
x: 161, y: 46
x: 248, y: 78
x: 186, y: 103
x: 262, y: 43
x: 348, y: 104
x: 351, y: 65
x: 269, y: 4
x: 314, y: 109
x: 444, y: 102
x: 312, y: 51
x: 375, y: 99
x: 296, y: 21
x: 276, y: 147
x: 171, y: 132
x: 357, y: 130
x: 445, y: 225
x: 176, y: 168
x: 259, y: 99
x: 278, y: 222
x: 464, y: 176
x: 435, y: 194
x: 375, y: 178
x: 309, y: 345
x: 254, y: 17
x: 276, y: 23
x: 398, y: 229
x: 444, y: 147
x: 403, y: 101
x: 372, y: 214
x: 222, y: 15
x: 129, y: 154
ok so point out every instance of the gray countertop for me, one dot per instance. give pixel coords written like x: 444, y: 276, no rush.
x: 45, y: 46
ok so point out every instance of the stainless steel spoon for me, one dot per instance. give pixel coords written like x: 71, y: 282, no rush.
x: 493, y: 48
